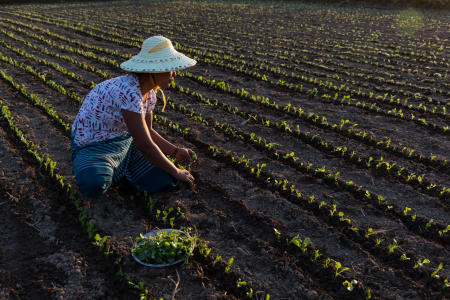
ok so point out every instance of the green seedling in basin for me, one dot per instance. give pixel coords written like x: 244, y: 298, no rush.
x: 165, y: 247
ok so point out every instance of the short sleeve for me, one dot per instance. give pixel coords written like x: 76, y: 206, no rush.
x: 130, y: 100
x: 151, y: 101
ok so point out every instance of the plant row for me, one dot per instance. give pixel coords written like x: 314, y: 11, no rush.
x: 320, y: 121
x: 407, y: 176
x: 362, y: 135
x: 332, y: 45
x: 45, y: 51
x: 101, y: 242
x: 281, y: 54
x: 333, y: 179
x: 219, y: 60
x: 289, y: 158
x: 300, y: 248
x: 48, y: 168
x: 380, y: 166
x: 368, y: 239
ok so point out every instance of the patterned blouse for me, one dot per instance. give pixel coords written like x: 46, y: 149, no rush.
x: 100, y: 118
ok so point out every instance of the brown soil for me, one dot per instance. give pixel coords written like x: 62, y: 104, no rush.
x: 230, y: 210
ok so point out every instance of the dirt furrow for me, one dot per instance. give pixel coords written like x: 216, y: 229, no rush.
x: 44, y: 253
x: 327, y: 135
x: 364, y: 213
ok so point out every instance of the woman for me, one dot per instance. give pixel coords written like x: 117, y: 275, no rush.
x: 112, y: 135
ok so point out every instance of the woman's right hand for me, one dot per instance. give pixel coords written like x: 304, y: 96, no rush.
x: 184, y: 175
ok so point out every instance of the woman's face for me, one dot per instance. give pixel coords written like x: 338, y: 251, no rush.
x: 164, y: 80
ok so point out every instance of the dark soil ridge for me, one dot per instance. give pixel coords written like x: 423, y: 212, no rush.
x: 29, y: 33
x: 206, y: 216
x: 282, y: 152
x: 191, y: 273
x: 366, y: 121
x: 45, y: 225
x: 419, y: 112
x: 328, y: 135
x: 401, y: 220
x: 350, y: 82
x: 64, y: 16
x: 437, y: 287
x: 54, y: 150
x: 89, y: 75
x: 247, y: 12
x: 314, y: 152
x: 271, y: 112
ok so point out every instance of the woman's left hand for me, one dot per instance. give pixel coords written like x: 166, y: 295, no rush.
x: 184, y: 154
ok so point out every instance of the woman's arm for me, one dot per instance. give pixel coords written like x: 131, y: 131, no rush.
x: 165, y: 146
x: 137, y: 126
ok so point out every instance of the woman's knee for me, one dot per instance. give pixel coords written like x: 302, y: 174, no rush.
x: 156, y: 180
x: 93, y: 182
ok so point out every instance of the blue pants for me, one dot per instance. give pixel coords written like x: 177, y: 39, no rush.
x: 96, y: 166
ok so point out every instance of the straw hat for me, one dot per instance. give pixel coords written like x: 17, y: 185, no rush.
x: 157, y: 55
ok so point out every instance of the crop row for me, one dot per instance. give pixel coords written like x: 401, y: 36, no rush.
x: 346, y: 99
x: 294, y: 245
x: 407, y: 177
x: 291, y: 158
x: 354, y: 46
x: 260, y: 65
x: 332, y: 210
x: 45, y: 51
x: 291, y: 61
x: 178, y: 127
x: 326, y: 212
x: 321, y: 121
x: 52, y: 114
x: 291, y: 243
x: 215, y: 263
x: 281, y: 54
x: 382, y: 166
x: 415, y: 43
x: 48, y: 168
x: 363, y: 136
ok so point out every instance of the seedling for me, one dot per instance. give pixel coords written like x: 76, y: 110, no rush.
x: 339, y: 269
x: 277, y: 233
x: 369, y: 233
x: 350, y: 284
x: 404, y: 257
x: 151, y: 203
x: 250, y: 293
x: 218, y: 258
x: 90, y: 228
x: 317, y: 254
x: 421, y: 262
x: 241, y: 283
x: 305, y: 244
x: 392, y: 247
x: 406, y: 210
x: 230, y: 262
x: 429, y: 223
x: 296, y: 241
x: 435, y: 272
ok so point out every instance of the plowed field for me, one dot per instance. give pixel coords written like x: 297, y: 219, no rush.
x: 322, y: 137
